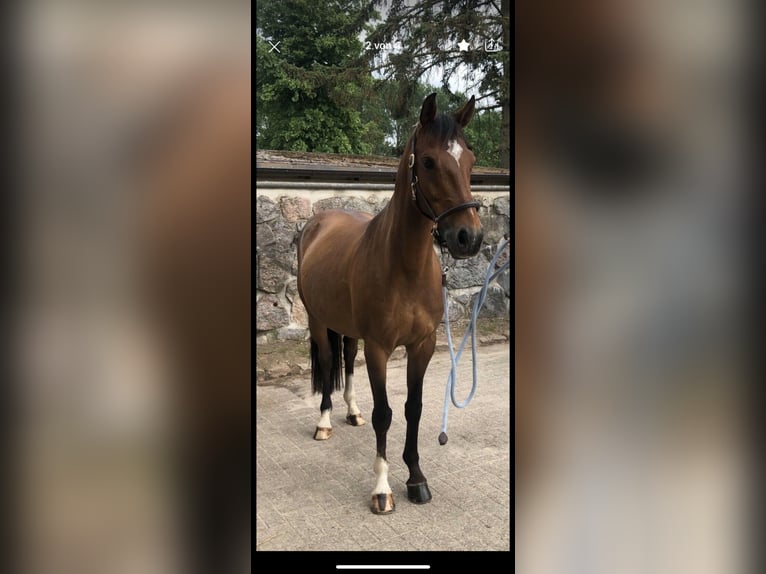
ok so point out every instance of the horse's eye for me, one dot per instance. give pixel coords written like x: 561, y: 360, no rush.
x: 428, y: 162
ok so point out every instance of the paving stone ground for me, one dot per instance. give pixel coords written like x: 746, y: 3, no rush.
x: 314, y: 495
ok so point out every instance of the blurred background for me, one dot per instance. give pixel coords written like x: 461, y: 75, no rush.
x: 631, y: 188
x: 123, y: 106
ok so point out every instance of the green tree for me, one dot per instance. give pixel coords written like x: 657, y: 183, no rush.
x: 484, y: 136
x: 428, y: 32
x: 380, y: 123
x: 316, y: 93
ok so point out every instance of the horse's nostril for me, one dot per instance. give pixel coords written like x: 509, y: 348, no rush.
x: 462, y: 238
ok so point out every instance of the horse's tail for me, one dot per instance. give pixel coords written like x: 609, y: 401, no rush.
x: 336, y: 347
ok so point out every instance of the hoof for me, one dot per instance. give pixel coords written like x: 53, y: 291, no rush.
x: 418, y: 493
x: 355, y: 420
x: 382, y: 503
x: 322, y: 433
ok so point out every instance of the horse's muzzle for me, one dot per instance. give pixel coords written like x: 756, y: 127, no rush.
x: 463, y: 242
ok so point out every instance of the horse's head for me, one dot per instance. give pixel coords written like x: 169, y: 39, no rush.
x: 440, y: 163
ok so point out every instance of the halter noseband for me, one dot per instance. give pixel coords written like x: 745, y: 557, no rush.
x: 417, y: 192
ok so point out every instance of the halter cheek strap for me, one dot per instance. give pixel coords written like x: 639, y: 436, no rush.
x: 418, y: 194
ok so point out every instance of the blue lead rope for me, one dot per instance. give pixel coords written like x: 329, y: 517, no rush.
x: 471, y: 330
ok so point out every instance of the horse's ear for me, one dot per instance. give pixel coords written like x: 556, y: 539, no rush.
x: 463, y: 115
x: 428, y: 111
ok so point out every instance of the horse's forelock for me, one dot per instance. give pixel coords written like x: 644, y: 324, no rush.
x: 445, y: 129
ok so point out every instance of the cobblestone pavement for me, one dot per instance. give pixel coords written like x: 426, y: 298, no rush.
x: 314, y: 495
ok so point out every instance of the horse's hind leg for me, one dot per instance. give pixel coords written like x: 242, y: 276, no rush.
x: 350, y: 348
x: 325, y: 373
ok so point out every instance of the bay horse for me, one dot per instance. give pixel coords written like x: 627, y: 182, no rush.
x: 379, y: 279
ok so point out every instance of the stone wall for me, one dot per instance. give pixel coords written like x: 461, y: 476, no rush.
x: 280, y: 216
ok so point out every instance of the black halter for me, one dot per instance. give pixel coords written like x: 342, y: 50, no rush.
x: 418, y: 193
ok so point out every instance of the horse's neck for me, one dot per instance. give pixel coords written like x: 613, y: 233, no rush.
x: 406, y: 233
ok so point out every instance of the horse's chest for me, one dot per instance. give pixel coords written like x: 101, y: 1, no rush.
x: 404, y: 320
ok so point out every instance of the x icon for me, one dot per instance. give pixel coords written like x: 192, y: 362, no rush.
x: 274, y: 46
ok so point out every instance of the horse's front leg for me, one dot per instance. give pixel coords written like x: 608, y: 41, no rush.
x: 377, y: 359
x: 418, y: 357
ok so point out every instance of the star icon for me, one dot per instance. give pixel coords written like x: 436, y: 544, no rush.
x: 464, y: 45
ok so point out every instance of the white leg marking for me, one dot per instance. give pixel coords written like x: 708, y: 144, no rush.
x: 349, y: 397
x: 324, y: 420
x: 381, y: 473
x: 455, y: 150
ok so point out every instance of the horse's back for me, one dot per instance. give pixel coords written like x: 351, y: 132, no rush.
x: 326, y: 251
x: 337, y: 226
